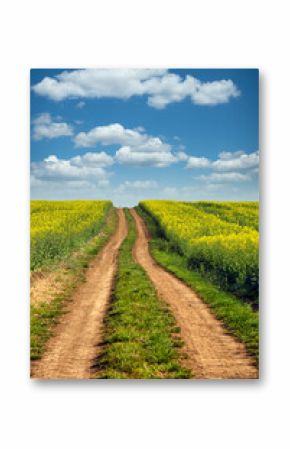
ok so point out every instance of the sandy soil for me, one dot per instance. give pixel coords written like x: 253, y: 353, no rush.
x: 211, y: 353
x: 71, y: 351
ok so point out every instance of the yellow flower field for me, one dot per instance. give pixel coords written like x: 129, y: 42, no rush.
x: 219, y: 239
x: 59, y: 227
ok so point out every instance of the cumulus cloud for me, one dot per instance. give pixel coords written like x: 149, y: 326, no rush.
x: 229, y: 155
x: 101, y: 159
x: 116, y: 134
x: 215, y: 92
x: 236, y: 161
x: 225, y: 177
x: 136, y: 147
x: 45, y: 127
x: 229, y: 168
x: 96, y: 83
x: 159, y: 85
x: 182, y: 156
x: 198, y: 162
x: 139, y: 185
x: 227, y: 161
x: 88, y: 169
x: 170, y: 88
x: 131, y: 156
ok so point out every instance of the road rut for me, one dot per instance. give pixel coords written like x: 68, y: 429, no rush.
x: 72, y: 350
x: 211, y: 353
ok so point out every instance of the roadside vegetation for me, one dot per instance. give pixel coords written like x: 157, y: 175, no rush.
x: 141, y: 339
x: 60, y: 227
x: 238, y: 317
x: 219, y: 240
x: 63, y: 277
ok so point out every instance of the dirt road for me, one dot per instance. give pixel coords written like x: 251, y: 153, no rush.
x: 211, y: 353
x: 70, y: 352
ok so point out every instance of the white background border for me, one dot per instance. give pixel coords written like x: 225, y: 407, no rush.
x: 156, y: 414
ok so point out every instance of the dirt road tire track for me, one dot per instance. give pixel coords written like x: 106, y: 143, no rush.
x: 72, y: 350
x: 211, y: 352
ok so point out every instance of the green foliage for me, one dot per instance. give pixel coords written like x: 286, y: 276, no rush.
x: 43, y: 318
x: 138, y: 342
x: 243, y: 213
x: 216, y: 245
x: 60, y: 227
x: 45, y: 315
x: 238, y: 317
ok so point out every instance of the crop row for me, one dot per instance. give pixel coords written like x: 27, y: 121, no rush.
x: 59, y: 227
x: 242, y: 213
x: 224, y: 250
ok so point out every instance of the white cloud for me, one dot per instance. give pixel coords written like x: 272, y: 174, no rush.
x: 171, y: 88
x: 80, y: 105
x: 182, y: 156
x: 197, y: 162
x: 96, y: 83
x: 143, y: 185
x: 216, y: 186
x: 140, y: 129
x: 255, y: 171
x: 130, y: 156
x: 227, y: 161
x: 88, y: 169
x: 238, y: 160
x: 217, y: 178
x: 93, y: 160
x: 45, y: 127
x: 116, y: 134
x: 161, y: 86
x: 228, y: 155
x: 215, y: 92
x: 136, y: 147
x: 170, y: 191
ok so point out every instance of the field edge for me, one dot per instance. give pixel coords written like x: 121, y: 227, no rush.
x: 44, y: 316
x: 238, y: 318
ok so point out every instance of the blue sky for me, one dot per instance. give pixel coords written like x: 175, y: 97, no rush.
x: 128, y: 135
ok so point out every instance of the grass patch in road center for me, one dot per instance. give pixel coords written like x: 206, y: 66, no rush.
x: 45, y: 315
x: 238, y: 317
x: 141, y: 338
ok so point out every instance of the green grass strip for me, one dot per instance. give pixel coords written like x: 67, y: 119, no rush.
x: 238, y: 317
x: 139, y: 341
x: 44, y: 316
